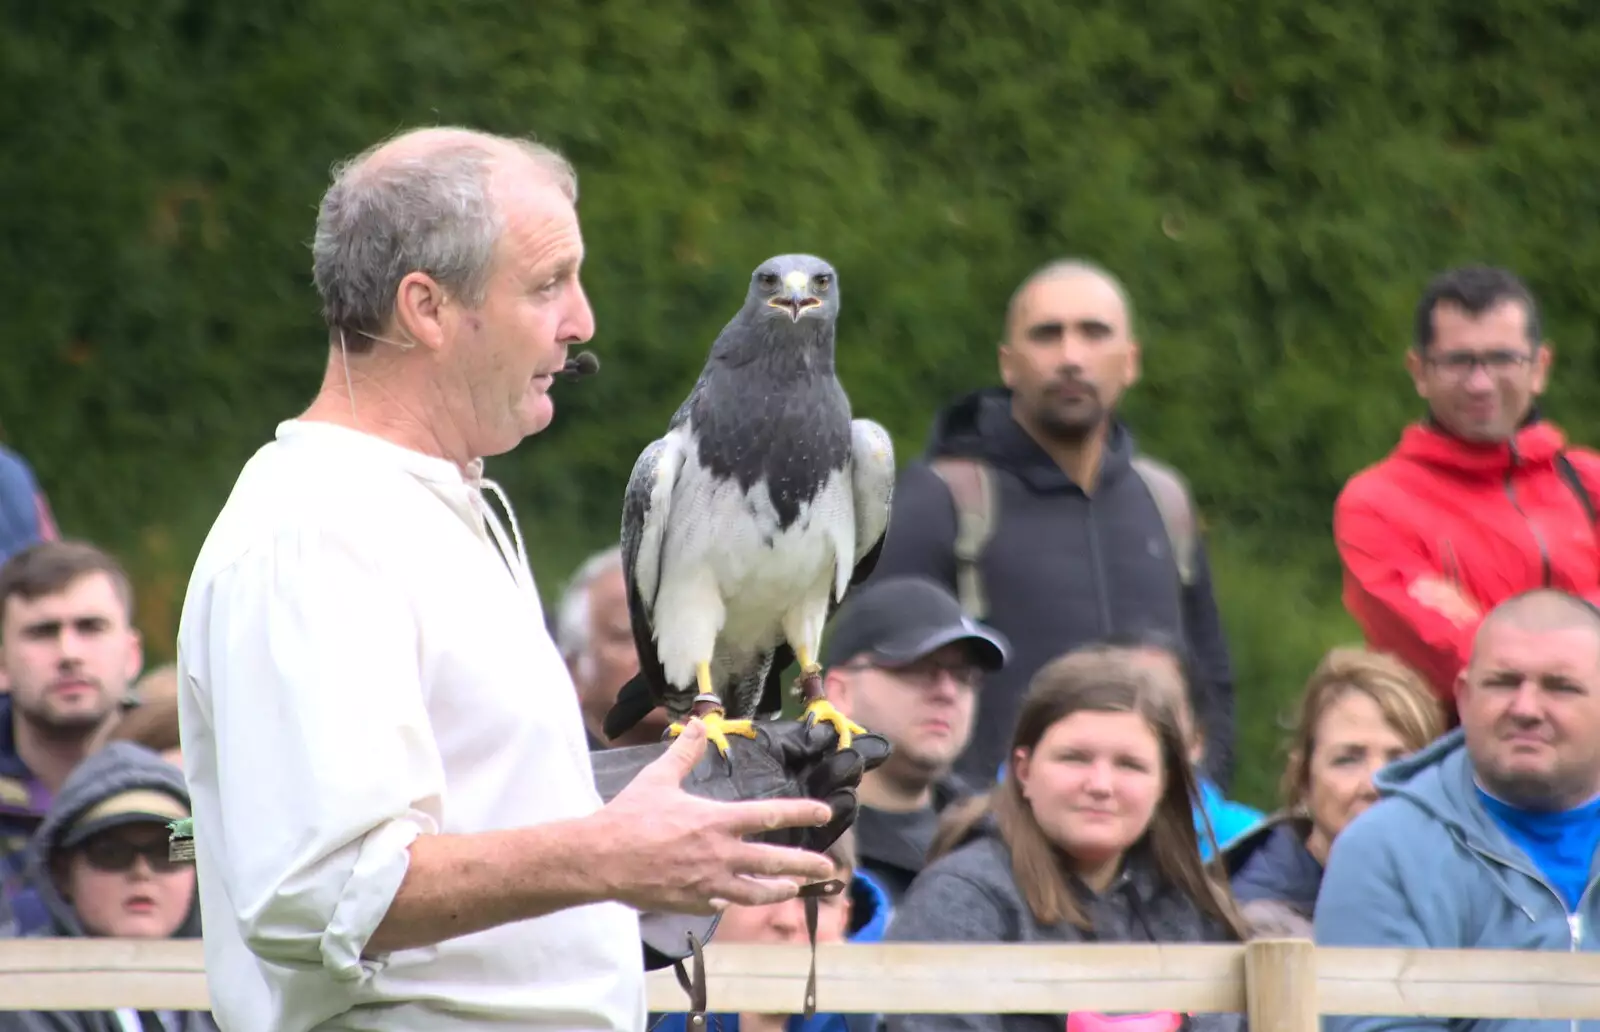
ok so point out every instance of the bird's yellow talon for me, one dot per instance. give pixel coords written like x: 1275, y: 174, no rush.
x: 718, y: 728
x: 821, y: 710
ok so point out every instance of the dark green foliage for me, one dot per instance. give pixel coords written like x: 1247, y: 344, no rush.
x: 1275, y: 180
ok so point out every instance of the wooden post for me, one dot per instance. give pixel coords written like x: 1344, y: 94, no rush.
x: 1280, y: 985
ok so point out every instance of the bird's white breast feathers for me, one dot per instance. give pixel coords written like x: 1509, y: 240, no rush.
x: 730, y: 573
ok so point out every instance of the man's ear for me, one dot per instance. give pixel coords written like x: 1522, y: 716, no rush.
x: 133, y: 662
x: 419, y: 310
x: 1007, y: 366
x: 839, y: 691
x: 1541, y: 366
x: 1461, y: 687
x: 1414, y: 366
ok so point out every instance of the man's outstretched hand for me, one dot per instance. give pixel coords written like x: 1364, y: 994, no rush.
x: 674, y: 850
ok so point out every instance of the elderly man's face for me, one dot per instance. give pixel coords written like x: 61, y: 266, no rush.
x: 504, y: 353
x: 612, y: 660
x: 1530, y: 711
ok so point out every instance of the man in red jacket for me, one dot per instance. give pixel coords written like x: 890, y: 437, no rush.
x: 1480, y: 501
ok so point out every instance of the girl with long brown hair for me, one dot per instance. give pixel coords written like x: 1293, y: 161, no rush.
x: 1090, y: 837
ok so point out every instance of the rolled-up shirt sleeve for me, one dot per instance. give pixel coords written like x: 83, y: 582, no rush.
x: 318, y: 765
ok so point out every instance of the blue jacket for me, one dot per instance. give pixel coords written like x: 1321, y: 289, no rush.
x: 1229, y: 819
x: 24, y: 515
x: 869, y: 917
x: 1427, y: 867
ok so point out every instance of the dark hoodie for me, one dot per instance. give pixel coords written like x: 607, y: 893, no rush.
x: 1062, y: 568
x: 893, y: 846
x: 970, y: 895
x: 115, y: 768
x: 1275, y: 878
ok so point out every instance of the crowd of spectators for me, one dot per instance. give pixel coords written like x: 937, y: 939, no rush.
x: 1042, y: 647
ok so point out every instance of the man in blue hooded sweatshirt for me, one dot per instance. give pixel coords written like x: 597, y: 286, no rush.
x: 1487, y: 838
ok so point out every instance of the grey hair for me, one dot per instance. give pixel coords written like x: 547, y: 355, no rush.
x: 1064, y: 267
x: 574, y: 627
x: 424, y: 209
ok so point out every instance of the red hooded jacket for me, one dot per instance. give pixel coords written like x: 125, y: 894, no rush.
x: 1493, y: 520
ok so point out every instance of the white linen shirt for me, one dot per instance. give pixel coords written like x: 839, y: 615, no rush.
x: 358, y: 666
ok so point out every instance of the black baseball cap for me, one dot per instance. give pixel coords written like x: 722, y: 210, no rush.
x: 898, y: 620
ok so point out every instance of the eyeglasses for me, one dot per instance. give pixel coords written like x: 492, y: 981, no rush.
x: 115, y: 855
x: 1460, y: 365
x: 925, y: 673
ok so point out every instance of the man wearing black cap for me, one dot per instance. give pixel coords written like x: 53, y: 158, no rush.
x: 904, y: 660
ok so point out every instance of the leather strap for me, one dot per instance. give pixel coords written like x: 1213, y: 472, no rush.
x: 695, y: 985
x: 811, y: 894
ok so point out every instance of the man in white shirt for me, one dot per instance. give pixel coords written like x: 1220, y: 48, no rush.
x: 397, y: 824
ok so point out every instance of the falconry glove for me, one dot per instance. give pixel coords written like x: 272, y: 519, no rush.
x: 787, y: 759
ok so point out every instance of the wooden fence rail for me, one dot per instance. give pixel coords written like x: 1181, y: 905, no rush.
x: 1283, y: 984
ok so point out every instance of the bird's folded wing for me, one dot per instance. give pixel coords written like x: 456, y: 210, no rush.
x: 872, y: 483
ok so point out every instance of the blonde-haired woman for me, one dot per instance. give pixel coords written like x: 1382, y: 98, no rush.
x: 1360, y: 711
x: 1090, y: 837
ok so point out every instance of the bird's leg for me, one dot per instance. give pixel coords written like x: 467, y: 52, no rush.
x: 708, y: 707
x: 818, y: 708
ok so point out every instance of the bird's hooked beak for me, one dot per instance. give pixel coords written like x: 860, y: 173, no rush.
x: 799, y: 297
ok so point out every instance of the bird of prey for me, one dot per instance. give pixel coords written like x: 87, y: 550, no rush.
x: 745, y: 524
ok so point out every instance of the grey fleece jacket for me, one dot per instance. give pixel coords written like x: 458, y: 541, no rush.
x: 970, y: 895
x: 115, y: 768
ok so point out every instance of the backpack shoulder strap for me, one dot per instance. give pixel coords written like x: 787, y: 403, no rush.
x: 1172, y: 498
x: 1569, y: 473
x: 972, y: 489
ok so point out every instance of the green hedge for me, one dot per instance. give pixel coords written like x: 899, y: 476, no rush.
x: 1274, y: 178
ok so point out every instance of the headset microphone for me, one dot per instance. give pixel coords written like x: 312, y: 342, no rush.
x: 584, y: 363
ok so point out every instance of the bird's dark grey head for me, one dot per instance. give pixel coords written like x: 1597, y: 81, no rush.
x: 796, y: 288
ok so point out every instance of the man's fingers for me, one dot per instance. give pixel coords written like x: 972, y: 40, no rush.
x: 686, y: 751
x: 755, y: 816
x: 1445, y: 598
x: 767, y: 861
x: 758, y: 892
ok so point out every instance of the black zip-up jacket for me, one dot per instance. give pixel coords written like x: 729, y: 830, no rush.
x: 1061, y: 568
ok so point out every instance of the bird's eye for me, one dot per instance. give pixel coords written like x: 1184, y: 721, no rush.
x: 823, y: 282
x: 768, y: 279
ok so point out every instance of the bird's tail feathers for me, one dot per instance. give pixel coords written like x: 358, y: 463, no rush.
x: 633, y: 704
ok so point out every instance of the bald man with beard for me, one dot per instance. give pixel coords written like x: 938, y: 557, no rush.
x: 1086, y: 537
